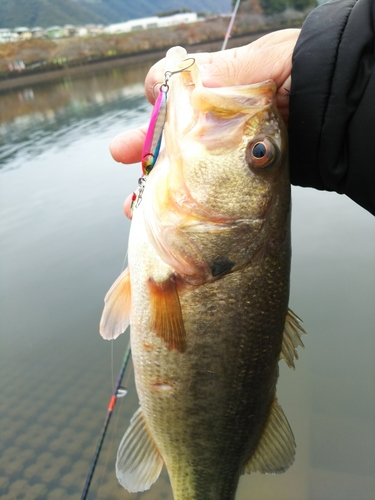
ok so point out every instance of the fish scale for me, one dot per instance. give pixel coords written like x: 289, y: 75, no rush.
x: 207, y: 294
x: 213, y: 376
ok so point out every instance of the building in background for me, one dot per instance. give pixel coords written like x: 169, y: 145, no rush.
x: 152, y: 22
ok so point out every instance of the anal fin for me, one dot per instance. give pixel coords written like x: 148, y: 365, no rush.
x: 166, y: 317
x: 117, y: 304
x: 292, y: 338
x: 276, y: 449
x: 138, y: 463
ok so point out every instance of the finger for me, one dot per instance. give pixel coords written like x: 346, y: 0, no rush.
x: 243, y: 66
x: 127, y: 146
x: 268, y: 57
x: 154, y: 78
x: 127, y: 206
x: 248, y: 64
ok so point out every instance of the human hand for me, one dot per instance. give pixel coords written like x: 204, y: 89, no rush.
x: 269, y: 57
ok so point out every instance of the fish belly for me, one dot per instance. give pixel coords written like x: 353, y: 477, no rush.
x: 206, y: 407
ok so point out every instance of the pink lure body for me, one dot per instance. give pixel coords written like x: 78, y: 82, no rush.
x: 154, y: 134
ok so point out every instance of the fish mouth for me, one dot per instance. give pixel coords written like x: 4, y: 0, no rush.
x: 190, y: 104
x: 231, y: 101
x: 188, y: 93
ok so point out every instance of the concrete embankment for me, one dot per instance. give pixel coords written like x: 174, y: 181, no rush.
x: 22, y: 80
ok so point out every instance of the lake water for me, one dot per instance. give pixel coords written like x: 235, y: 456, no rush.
x: 63, y: 242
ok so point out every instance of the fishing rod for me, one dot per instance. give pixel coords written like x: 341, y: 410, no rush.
x: 227, y: 35
x: 118, y: 392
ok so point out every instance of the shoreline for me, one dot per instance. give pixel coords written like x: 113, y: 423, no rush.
x: 17, y: 82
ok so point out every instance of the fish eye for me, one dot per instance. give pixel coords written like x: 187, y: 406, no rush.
x: 261, y: 153
x: 259, y: 150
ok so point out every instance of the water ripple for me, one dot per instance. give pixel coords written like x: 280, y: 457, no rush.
x: 29, y: 135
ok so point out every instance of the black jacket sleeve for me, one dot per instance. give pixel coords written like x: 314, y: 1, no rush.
x: 332, y: 101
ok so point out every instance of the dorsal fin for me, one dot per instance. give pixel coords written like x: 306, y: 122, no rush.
x: 117, y: 304
x: 166, y: 316
x: 276, y: 448
x: 138, y: 463
x: 292, y: 338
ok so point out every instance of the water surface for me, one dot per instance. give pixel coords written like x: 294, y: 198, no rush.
x: 63, y: 242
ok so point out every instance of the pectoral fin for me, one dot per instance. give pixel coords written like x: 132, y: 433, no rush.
x: 276, y: 448
x: 138, y: 463
x: 292, y: 338
x: 166, y: 317
x: 117, y: 303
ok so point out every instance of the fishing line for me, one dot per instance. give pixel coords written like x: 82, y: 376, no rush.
x: 124, y: 262
x: 112, y: 368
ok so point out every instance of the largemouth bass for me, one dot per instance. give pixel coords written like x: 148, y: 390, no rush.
x: 206, y: 291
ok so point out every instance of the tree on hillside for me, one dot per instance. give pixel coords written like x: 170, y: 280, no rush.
x: 276, y: 6
x: 43, y: 13
x: 273, y: 6
x: 249, y: 6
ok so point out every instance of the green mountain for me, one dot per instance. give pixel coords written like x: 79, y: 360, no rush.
x: 45, y: 13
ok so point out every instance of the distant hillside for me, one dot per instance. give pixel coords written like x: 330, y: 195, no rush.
x: 45, y: 13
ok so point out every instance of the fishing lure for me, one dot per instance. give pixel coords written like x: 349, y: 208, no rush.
x: 154, y: 135
x: 151, y: 146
